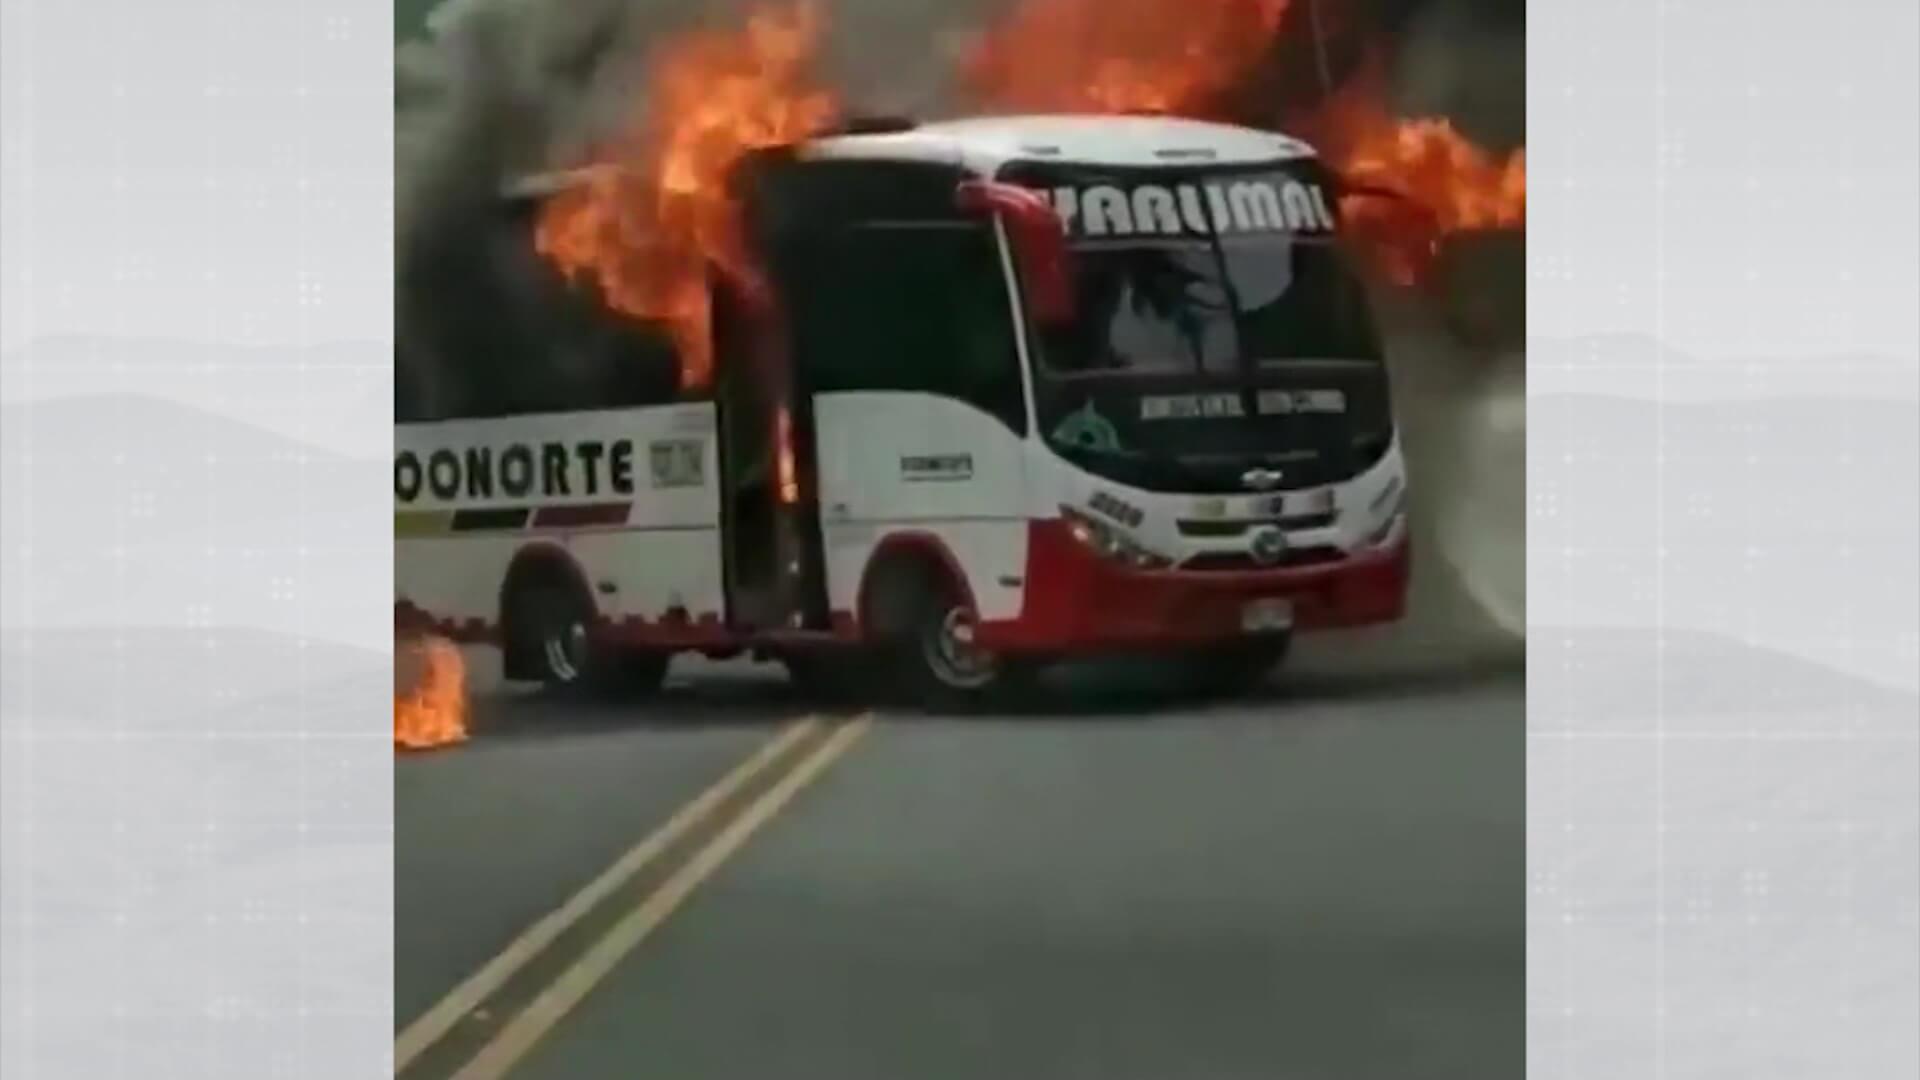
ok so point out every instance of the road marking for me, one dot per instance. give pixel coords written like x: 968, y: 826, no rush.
x: 476, y: 988
x: 513, y: 1041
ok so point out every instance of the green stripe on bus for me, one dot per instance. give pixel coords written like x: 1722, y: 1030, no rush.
x: 422, y: 522
x: 492, y: 519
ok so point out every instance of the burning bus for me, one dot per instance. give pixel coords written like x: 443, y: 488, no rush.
x: 977, y: 395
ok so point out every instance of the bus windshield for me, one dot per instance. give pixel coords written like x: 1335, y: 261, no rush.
x: 1216, y: 324
x: 1218, y: 306
x: 1200, y: 272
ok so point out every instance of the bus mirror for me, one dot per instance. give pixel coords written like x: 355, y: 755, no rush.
x: 1039, y: 241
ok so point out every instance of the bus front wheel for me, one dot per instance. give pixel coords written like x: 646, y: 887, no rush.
x: 936, y: 651
x: 947, y: 655
x: 927, y: 637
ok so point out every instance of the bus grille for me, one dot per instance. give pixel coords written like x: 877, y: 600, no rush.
x: 1242, y: 561
x: 1227, y: 528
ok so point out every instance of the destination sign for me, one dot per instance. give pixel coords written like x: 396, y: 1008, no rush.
x: 1229, y: 405
x: 1250, y: 205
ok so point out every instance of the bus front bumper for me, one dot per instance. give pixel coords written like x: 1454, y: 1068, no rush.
x: 1077, y: 602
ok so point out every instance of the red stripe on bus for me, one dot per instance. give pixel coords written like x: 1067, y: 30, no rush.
x: 573, y: 517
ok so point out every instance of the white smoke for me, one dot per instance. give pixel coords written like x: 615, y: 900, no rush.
x: 1464, y: 379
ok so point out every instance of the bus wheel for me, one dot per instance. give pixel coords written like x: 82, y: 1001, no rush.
x: 941, y: 659
x: 550, y: 630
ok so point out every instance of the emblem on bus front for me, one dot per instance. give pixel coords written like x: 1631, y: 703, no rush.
x: 1261, y: 479
x: 1269, y: 546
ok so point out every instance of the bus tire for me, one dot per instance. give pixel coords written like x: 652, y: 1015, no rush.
x: 933, y: 653
x: 550, y: 636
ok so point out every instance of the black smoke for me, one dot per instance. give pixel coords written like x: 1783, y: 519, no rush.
x: 510, y: 88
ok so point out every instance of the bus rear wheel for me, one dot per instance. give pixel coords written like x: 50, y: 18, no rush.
x: 551, y: 640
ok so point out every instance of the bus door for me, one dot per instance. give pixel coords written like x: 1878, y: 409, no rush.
x: 769, y: 515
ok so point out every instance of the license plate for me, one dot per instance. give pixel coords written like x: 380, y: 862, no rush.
x: 1266, y: 616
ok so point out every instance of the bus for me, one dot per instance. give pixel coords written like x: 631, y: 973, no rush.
x: 1026, y: 389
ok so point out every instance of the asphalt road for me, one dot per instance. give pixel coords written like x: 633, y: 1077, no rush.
x: 1326, y: 881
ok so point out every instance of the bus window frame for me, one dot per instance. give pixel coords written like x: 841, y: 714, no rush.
x: 1017, y: 417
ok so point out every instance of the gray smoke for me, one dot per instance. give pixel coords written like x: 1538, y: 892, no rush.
x: 1459, y: 364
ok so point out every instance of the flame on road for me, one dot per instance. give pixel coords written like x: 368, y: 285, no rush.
x: 433, y: 712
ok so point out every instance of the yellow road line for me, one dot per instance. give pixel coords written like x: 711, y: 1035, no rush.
x: 513, y: 1041
x: 476, y: 988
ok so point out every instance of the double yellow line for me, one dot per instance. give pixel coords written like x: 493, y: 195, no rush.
x: 511, y: 1042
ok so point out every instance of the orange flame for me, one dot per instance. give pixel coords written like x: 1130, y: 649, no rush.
x: 648, y: 227
x: 434, y: 712
x: 785, y: 472
x: 1117, y: 55
x: 1456, y: 185
x: 1107, y: 56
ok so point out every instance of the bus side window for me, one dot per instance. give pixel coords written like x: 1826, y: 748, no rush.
x: 410, y: 397
x: 911, y: 308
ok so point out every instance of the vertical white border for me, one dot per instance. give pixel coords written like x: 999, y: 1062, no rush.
x: 195, y: 563
x: 1724, y: 638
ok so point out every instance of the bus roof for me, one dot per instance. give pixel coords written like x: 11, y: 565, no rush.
x: 983, y: 144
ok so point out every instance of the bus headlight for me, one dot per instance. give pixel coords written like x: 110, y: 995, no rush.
x: 1389, y: 510
x: 1387, y: 503
x: 1110, y: 543
x: 1385, y: 529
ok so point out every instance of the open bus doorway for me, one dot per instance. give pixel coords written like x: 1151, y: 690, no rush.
x: 770, y: 520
